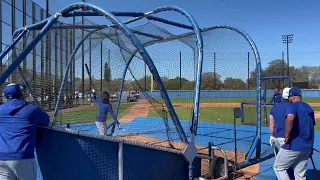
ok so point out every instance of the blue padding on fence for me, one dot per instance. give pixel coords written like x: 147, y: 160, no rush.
x: 62, y: 155
x: 144, y: 163
x: 68, y: 156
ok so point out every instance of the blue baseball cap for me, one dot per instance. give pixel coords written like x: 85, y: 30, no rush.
x: 295, y: 92
x: 12, y: 91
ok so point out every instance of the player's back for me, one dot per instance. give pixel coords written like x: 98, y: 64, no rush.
x: 103, y: 109
x: 278, y: 112
x: 303, y: 127
x: 18, y: 120
x: 306, y: 120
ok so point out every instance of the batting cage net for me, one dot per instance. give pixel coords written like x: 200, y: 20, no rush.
x: 106, y: 61
x: 271, y: 94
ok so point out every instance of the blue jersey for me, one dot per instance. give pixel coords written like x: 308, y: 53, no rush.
x: 277, y: 98
x: 303, y: 127
x: 103, y: 111
x: 279, y: 113
x: 18, y: 121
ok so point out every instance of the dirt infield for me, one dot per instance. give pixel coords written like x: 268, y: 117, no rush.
x: 247, y: 172
x: 71, y: 109
x: 135, y: 111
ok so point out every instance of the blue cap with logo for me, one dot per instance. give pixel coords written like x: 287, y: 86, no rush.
x: 295, y: 92
x: 12, y: 91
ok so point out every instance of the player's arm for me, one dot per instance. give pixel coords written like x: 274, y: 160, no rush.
x: 42, y: 118
x: 271, y: 125
x: 114, y: 117
x: 289, y: 124
x: 273, y: 98
x: 314, y: 124
x: 291, y: 113
x: 94, y: 97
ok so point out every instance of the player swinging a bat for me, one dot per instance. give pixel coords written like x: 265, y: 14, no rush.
x: 104, y: 108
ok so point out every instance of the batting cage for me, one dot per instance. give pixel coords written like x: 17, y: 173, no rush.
x: 272, y: 86
x: 179, y: 95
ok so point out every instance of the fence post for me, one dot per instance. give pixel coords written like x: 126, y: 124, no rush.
x: 180, y: 72
x: 120, y: 160
x: 101, y: 64
x: 214, y: 71
x: 248, y: 70
x: 90, y: 61
x: 109, y: 70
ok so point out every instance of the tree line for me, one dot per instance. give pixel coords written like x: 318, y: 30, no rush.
x: 210, y: 80
x: 213, y: 81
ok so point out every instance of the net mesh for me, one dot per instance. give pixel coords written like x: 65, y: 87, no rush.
x: 271, y: 86
x: 229, y: 78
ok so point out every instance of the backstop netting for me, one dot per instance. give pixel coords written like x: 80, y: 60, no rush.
x: 269, y: 84
x: 41, y: 73
x: 107, y: 52
x: 228, y: 78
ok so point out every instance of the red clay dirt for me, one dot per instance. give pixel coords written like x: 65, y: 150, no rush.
x: 71, y: 109
x: 135, y: 111
x: 247, y: 172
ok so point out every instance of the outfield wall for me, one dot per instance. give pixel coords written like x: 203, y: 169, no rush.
x: 226, y: 94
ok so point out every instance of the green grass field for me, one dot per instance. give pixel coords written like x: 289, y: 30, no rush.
x: 88, y: 115
x: 219, y: 115
x: 223, y: 115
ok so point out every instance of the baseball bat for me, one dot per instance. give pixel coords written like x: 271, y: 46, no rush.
x: 314, y: 168
x: 89, y: 74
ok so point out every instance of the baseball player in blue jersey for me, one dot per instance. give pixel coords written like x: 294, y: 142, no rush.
x: 18, y: 121
x: 277, y: 124
x: 278, y: 120
x: 299, y: 138
x: 104, y: 108
x: 277, y: 97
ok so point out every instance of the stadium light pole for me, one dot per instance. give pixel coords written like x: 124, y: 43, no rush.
x: 287, y: 39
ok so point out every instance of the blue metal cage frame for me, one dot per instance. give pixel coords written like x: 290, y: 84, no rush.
x: 91, y: 10
x: 265, y: 79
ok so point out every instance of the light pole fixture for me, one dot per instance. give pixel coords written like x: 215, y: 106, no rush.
x: 287, y: 39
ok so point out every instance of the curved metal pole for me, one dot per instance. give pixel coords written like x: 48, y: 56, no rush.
x: 200, y: 60
x: 258, y: 90
x: 39, y: 25
x: 258, y: 86
x: 257, y: 142
x: 14, y: 42
x: 134, y: 40
x: 199, y: 65
x: 29, y: 47
x: 67, y: 70
x: 125, y: 72
x: 241, y: 32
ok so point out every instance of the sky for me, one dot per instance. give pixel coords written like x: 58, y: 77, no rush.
x: 264, y: 21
